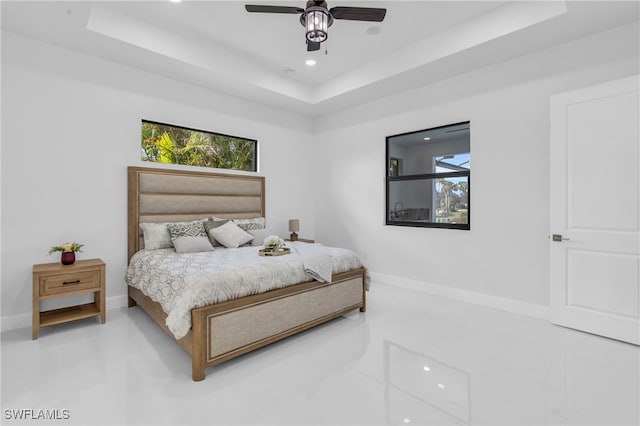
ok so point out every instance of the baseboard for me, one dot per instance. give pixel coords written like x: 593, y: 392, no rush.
x: 510, y: 305
x: 14, y: 322
x: 504, y: 304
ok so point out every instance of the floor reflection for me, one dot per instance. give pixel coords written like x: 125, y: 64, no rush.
x: 407, y: 361
x: 422, y: 390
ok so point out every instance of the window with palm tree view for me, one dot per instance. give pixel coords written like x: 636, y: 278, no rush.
x: 428, y: 175
x: 169, y: 144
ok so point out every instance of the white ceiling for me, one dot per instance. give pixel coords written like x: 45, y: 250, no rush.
x: 261, y: 57
x: 437, y: 134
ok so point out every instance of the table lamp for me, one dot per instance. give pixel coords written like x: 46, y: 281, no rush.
x: 294, y: 227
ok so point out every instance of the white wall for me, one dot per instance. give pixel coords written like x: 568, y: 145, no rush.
x: 70, y: 128
x: 505, y: 254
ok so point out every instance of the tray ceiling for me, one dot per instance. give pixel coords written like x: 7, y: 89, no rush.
x: 261, y: 57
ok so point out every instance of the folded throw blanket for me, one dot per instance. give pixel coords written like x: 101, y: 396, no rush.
x: 316, y: 260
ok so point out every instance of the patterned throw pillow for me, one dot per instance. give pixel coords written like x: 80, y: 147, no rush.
x: 250, y: 224
x: 186, y: 229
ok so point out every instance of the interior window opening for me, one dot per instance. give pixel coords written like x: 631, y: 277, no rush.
x: 429, y: 177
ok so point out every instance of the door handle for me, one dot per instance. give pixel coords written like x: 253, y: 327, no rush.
x: 558, y: 237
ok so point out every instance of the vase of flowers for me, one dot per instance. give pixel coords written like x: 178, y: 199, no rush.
x: 273, y: 243
x: 68, y: 252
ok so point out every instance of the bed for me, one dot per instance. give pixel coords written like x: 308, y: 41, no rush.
x: 222, y: 331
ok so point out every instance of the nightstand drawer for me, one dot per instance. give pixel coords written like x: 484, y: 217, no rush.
x: 69, y: 283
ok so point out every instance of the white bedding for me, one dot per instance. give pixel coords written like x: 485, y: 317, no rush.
x: 180, y: 282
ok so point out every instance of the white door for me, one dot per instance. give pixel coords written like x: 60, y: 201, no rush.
x: 594, y: 200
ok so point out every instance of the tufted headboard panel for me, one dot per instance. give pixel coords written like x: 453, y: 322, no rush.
x: 165, y: 195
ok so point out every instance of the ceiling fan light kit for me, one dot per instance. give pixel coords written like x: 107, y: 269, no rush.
x: 317, y: 21
x: 317, y: 18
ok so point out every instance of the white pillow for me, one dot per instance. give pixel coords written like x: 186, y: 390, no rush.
x: 230, y: 236
x: 156, y: 236
x: 259, y: 235
x: 192, y: 244
x: 212, y: 224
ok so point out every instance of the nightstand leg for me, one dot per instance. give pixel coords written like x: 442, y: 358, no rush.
x: 35, y: 324
x: 103, y: 295
x: 99, y: 301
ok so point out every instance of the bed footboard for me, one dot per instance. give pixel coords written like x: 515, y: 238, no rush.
x: 226, y: 330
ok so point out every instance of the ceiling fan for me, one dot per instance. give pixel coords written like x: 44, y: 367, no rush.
x: 317, y: 18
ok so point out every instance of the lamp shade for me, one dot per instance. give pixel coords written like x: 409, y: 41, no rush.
x: 294, y: 225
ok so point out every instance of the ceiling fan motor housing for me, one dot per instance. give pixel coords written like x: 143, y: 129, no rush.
x: 319, y: 3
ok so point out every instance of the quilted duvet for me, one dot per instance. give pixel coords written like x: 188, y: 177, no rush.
x: 180, y: 282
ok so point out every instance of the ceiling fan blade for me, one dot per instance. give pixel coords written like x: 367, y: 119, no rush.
x: 358, y: 13
x: 272, y: 9
x: 312, y: 46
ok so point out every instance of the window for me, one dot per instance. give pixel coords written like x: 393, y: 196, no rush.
x: 428, y: 175
x: 169, y: 144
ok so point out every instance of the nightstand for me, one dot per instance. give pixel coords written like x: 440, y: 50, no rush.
x: 304, y: 240
x: 54, y: 280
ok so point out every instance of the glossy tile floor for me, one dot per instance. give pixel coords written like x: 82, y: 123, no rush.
x: 411, y: 359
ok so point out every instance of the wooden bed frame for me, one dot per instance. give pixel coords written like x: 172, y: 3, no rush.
x: 226, y: 330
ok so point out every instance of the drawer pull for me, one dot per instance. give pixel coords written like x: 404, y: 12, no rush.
x: 71, y: 282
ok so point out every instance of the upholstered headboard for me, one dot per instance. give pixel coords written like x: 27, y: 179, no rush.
x: 163, y: 195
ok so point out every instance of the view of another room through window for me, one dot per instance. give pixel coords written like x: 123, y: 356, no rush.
x: 429, y: 176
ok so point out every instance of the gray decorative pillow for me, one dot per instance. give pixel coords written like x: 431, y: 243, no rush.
x: 213, y: 224
x: 230, y: 235
x: 192, y: 244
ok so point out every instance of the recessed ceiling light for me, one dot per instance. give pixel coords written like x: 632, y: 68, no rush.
x: 373, y: 30
x: 427, y: 138
x: 175, y: 1
x: 310, y: 62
